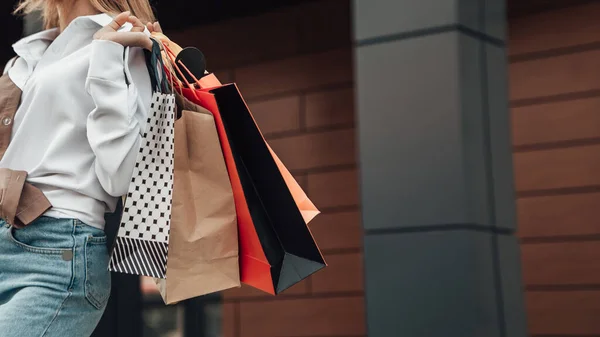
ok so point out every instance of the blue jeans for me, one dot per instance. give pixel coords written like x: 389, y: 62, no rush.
x: 54, y: 279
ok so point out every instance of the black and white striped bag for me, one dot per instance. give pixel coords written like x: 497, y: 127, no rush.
x: 142, y: 242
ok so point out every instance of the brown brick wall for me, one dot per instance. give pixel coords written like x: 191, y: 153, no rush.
x: 294, y: 67
x: 555, y: 99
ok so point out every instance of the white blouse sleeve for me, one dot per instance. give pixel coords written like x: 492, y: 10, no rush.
x: 9, y: 65
x: 119, y: 84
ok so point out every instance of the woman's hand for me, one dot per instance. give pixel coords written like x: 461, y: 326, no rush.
x: 154, y: 27
x: 134, y: 38
x: 156, y: 31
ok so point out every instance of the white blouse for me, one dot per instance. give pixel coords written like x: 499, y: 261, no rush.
x: 78, y: 128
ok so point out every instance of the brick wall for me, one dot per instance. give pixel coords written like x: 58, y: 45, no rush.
x: 555, y: 97
x: 294, y: 67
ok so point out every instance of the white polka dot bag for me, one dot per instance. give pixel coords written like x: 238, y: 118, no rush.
x: 142, y: 242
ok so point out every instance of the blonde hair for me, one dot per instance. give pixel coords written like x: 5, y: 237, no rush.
x: 49, y: 9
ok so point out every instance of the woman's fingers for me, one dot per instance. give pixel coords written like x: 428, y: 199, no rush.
x: 122, y: 19
x: 132, y: 39
x: 119, y: 21
x: 157, y: 27
x: 154, y: 27
x: 138, y: 26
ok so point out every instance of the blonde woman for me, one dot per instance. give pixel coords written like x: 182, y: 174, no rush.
x: 84, y: 94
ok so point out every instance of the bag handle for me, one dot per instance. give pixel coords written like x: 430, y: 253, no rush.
x: 156, y: 68
x: 207, y: 81
x: 171, y: 58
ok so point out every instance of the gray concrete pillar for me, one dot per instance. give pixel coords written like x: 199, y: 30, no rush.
x: 441, y: 256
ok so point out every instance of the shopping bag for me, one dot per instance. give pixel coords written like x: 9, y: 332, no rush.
x: 305, y: 205
x: 203, y: 242
x: 142, y: 240
x: 277, y: 250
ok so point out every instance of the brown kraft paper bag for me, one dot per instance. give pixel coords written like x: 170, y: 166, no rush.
x: 203, y: 241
